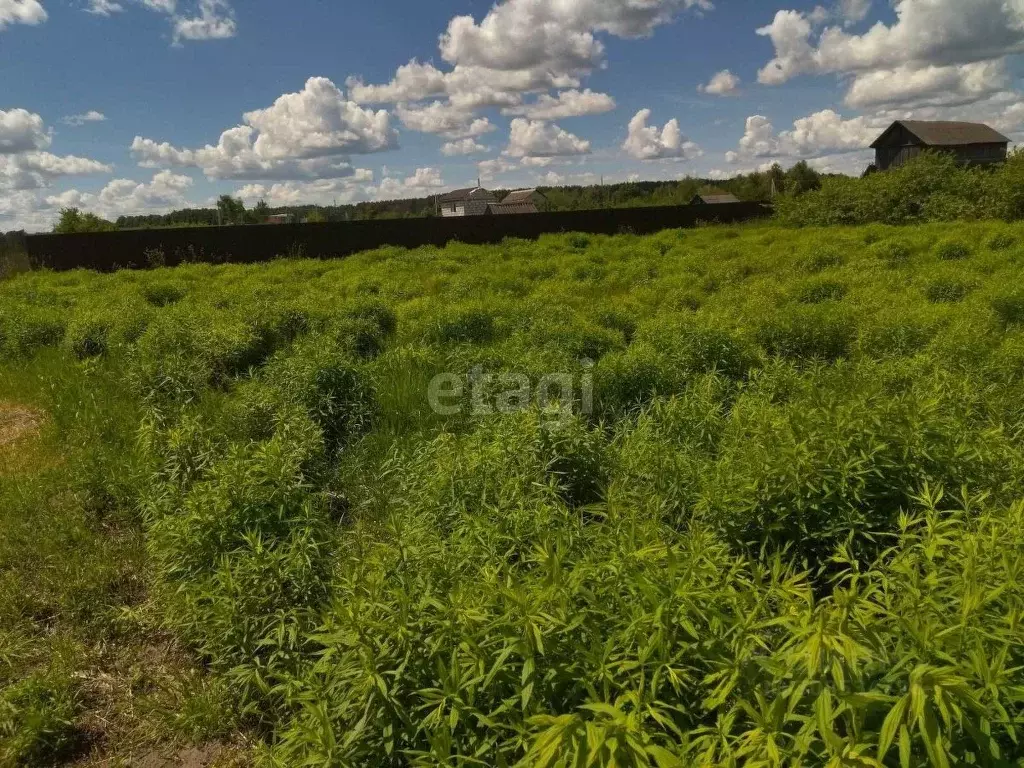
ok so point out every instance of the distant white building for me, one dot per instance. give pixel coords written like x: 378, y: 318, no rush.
x: 472, y: 201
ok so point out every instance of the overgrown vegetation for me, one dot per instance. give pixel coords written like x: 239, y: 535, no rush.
x: 789, y: 530
x: 932, y: 187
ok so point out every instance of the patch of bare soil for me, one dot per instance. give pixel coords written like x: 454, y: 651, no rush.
x: 129, y: 693
x: 206, y: 756
x: 17, y: 422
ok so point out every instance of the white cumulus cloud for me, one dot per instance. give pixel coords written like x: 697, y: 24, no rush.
x: 645, y: 142
x: 443, y: 119
x: 92, y: 116
x: 424, y: 181
x: 724, y: 83
x: 306, y: 135
x: 317, y: 192
x: 552, y: 34
x: 494, y: 167
x: 523, y: 47
x: 21, y: 131
x: 412, y: 82
x: 467, y: 146
x: 957, y: 44
x: 571, y: 103
x: 21, y: 12
x: 104, y: 7
x: 535, y: 138
x: 930, y: 85
x: 215, y: 21
x: 24, y: 162
x: 815, y: 136
x: 125, y: 197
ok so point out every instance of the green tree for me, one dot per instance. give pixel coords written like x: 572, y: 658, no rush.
x: 802, y: 178
x: 778, y: 176
x: 72, y: 221
x: 261, y: 211
x: 231, y: 210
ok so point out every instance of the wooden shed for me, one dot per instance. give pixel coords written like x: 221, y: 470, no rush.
x: 972, y: 143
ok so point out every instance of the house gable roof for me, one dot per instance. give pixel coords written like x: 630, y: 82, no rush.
x: 716, y: 199
x: 945, y: 133
x: 469, y: 193
x: 505, y: 207
x: 521, y: 196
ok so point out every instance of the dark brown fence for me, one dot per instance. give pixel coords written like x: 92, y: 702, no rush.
x: 143, y: 248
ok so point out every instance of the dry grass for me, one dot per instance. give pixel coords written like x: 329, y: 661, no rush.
x: 17, y: 423
x: 21, y: 449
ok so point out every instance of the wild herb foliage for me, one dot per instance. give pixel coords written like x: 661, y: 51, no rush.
x: 933, y: 187
x: 789, y: 530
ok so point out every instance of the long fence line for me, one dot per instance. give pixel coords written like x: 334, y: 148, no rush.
x: 139, y: 249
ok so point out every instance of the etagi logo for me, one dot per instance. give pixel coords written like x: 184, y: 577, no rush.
x: 556, y: 395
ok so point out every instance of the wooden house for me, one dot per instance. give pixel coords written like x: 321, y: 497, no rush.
x: 971, y: 143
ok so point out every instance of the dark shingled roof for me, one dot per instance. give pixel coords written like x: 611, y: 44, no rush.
x: 469, y: 193
x: 520, y: 196
x: 714, y: 199
x: 506, y: 207
x: 948, y: 134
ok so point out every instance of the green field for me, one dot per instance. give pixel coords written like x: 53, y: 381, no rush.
x: 734, y: 496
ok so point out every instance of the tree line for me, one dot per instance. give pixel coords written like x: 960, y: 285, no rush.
x: 758, y: 186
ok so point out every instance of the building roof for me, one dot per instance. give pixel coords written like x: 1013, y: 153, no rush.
x: 478, y: 207
x: 716, y: 199
x: 947, y: 134
x: 469, y: 193
x: 520, y: 196
x: 506, y: 207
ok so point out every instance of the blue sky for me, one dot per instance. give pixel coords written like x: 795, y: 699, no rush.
x: 136, y: 106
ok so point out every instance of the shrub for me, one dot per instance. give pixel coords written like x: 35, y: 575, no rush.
x: 947, y: 290
x: 37, y: 720
x: 578, y: 241
x: 1001, y: 241
x: 624, y: 381
x: 822, y: 258
x: 620, y: 321
x: 26, y: 330
x: 574, y: 456
x: 376, y: 312
x: 333, y: 391
x: 897, y: 336
x: 188, y: 348
x: 807, y: 333
x: 932, y: 187
x: 1009, y: 307
x: 893, y: 252
x: 162, y: 293
x: 693, y: 348
x: 952, y: 250
x: 95, y: 331
x: 820, y: 291
x: 472, y: 325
